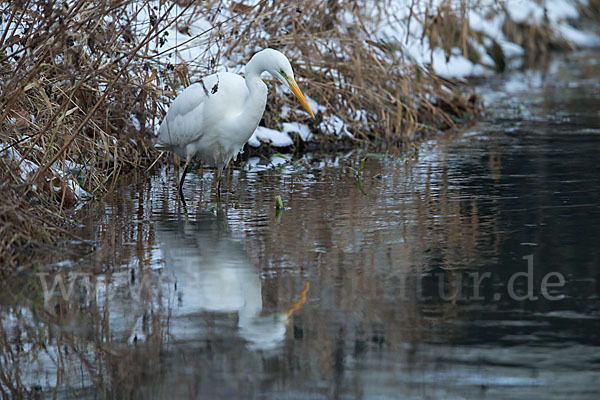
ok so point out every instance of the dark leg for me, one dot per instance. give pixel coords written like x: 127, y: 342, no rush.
x: 185, y: 170
x: 219, y: 188
x: 219, y: 172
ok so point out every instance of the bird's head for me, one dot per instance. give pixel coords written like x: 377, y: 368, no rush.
x: 279, y: 66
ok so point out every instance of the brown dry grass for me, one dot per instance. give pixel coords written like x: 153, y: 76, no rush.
x: 71, y: 76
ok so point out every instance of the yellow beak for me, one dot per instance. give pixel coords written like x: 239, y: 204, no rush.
x: 299, y: 95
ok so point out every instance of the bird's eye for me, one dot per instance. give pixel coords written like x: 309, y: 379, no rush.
x: 282, y: 72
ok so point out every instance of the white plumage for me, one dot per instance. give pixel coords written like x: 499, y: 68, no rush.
x: 211, y: 120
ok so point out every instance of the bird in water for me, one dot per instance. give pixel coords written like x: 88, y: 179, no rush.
x: 212, y: 119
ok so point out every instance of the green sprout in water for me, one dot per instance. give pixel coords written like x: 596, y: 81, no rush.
x: 358, y: 175
x: 278, y: 202
x: 278, y: 208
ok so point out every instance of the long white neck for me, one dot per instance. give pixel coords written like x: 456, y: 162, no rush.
x: 257, y: 99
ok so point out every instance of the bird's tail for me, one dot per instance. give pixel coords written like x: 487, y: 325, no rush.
x: 162, y: 146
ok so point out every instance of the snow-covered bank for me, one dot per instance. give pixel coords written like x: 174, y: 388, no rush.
x: 453, y: 39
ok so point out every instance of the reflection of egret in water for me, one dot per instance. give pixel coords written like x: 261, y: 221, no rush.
x: 211, y: 272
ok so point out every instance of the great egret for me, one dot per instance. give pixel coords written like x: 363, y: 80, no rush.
x: 212, y: 119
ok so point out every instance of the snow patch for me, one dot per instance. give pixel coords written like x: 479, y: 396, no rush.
x: 334, y: 125
x: 301, y: 129
x: 271, y: 136
x: 580, y: 38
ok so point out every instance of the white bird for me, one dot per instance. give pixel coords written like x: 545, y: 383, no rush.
x: 212, y: 119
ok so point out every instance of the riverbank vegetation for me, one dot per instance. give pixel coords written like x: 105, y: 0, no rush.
x: 83, y: 85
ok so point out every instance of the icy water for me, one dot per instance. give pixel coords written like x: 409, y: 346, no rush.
x: 470, y: 269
